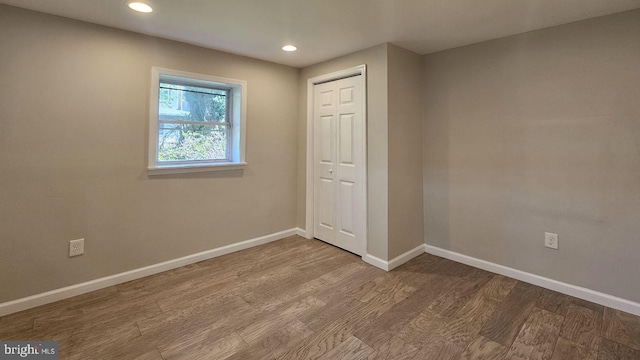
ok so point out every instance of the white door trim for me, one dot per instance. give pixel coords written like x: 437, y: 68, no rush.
x: 354, y: 71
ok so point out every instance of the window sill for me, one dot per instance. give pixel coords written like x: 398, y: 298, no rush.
x: 190, y: 168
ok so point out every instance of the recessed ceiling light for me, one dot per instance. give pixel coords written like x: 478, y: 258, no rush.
x: 139, y: 7
x: 289, y: 48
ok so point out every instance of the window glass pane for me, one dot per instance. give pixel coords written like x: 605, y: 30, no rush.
x: 191, y: 103
x: 182, y: 142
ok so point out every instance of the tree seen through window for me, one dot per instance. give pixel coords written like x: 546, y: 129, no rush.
x: 193, y: 123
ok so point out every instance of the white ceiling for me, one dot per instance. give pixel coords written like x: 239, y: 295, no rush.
x: 324, y: 29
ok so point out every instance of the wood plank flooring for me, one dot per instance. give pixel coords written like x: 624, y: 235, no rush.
x: 304, y: 299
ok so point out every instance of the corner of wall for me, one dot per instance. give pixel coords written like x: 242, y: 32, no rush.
x: 406, y: 229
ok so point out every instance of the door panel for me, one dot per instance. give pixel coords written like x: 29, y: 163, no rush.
x: 326, y: 203
x: 346, y: 95
x: 327, y: 98
x: 346, y: 139
x: 327, y: 140
x: 339, y: 163
x: 346, y: 207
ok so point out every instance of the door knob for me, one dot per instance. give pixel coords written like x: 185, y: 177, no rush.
x: 330, y: 171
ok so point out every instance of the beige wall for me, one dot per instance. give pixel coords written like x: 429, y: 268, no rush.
x: 377, y: 159
x: 539, y: 132
x: 73, y: 143
x: 406, y: 227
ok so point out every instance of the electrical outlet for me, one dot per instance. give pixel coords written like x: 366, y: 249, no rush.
x: 551, y: 240
x: 76, y: 247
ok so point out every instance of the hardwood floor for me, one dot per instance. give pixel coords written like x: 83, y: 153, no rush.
x: 304, y: 299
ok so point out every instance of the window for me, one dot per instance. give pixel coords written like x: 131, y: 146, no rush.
x: 197, y: 123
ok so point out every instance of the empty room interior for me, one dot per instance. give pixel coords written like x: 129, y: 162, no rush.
x: 322, y: 179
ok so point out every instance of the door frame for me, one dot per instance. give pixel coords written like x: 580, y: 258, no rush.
x: 360, y: 70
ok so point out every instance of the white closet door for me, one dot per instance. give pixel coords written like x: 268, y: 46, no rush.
x: 339, y: 140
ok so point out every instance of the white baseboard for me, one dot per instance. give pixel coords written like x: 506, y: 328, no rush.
x: 561, y: 287
x: 303, y: 233
x: 375, y: 261
x: 396, y: 261
x: 403, y: 258
x: 82, y: 288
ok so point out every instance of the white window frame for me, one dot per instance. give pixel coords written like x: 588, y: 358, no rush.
x: 237, y: 109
